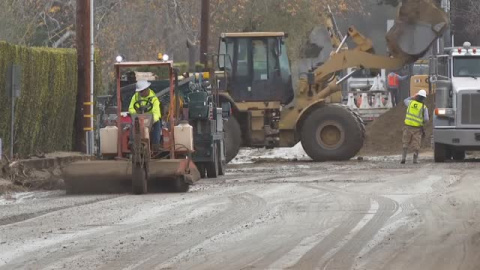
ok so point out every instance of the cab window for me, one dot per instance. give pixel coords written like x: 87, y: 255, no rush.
x: 260, y: 60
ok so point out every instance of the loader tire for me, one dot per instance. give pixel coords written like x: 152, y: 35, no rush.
x: 212, y: 167
x: 139, y: 180
x: 233, y: 138
x: 222, y: 164
x: 332, y: 133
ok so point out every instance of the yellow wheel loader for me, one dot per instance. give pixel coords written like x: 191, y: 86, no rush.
x: 268, y: 112
x: 420, y: 78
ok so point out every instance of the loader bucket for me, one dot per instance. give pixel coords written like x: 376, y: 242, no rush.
x: 419, y: 23
x: 112, y: 176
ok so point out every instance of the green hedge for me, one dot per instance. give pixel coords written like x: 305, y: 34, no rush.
x: 45, y: 110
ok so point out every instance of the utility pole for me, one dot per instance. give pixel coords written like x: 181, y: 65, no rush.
x: 89, y: 102
x: 205, y: 27
x: 82, y: 111
x: 192, y: 48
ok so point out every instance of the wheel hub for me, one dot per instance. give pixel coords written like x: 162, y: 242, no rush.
x: 330, y: 135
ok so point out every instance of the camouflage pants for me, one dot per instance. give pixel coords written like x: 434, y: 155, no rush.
x: 412, y: 136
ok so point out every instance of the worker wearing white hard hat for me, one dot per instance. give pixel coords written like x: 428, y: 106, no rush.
x: 142, y: 85
x: 145, y: 96
x: 415, y: 119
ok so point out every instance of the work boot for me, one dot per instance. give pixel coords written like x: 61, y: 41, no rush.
x: 404, y: 155
x: 415, y: 157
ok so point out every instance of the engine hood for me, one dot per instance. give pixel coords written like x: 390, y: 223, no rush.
x: 464, y: 84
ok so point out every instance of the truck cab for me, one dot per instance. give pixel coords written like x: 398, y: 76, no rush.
x: 457, y: 101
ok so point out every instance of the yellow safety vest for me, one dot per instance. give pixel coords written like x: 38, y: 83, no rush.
x: 157, y: 114
x: 415, y: 114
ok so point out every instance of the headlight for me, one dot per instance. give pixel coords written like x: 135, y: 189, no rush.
x: 119, y: 59
x: 165, y: 57
x: 444, y: 112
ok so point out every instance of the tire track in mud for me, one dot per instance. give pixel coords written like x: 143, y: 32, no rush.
x: 104, y: 234
x: 158, y: 223
x: 240, y: 208
x: 303, y: 240
x: 339, y: 249
x: 348, y: 221
x: 345, y: 257
x: 28, y: 216
x: 300, y: 216
x: 309, y: 236
x: 405, y: 219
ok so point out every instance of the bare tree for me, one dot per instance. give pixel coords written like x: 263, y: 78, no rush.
x: 465, y: 20
x: 140, y: 29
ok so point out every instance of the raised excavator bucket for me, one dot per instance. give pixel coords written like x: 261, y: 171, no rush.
x: 419, y: 23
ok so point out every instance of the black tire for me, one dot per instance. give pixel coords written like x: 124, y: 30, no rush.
x: 458, y: 155
x: 201, y: 170
x: 332, y: 133
x: 212, y: 167
x: 179, y: 185
x: 139, y: 180
x: 222, y: 164
x: 233, y: 138
x: 69, y: 189
x: 449, y: 155
x: 441, y: 153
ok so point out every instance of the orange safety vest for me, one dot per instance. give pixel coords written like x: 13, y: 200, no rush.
x: 393, y: 80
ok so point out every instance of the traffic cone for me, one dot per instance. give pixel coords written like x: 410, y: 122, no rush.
x: 378, y: 101
x: 389, y: 102
x: 351, y: 101
x: 365, y: 104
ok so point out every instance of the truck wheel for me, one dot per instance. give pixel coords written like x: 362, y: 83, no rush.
x: 179, y: 185
x: 458, y: 155
x: 221, y: 163
x: 233, y: 138
x: 70, y: 188
x: 139, y: 180
x: 212, y: 167
x: 201, y: 169
x: 332, y: 132
x: 441, y: 152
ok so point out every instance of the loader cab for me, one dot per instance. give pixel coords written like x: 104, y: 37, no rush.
x: 256, y: 66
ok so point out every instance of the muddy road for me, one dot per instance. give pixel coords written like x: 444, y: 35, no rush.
x: 371, y: 214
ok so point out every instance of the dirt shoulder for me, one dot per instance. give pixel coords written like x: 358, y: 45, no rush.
x: 37, y: 173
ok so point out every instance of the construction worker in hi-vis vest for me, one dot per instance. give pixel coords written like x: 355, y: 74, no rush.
x: 415, y: 120
x: 393, y: 86
x: 143, y: 94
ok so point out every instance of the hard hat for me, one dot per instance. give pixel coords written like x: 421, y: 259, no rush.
x: 422, y: 93
x: 142, y: 85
